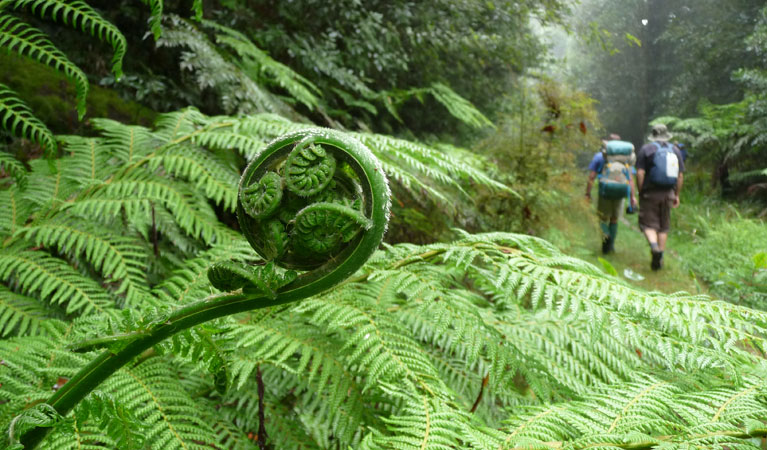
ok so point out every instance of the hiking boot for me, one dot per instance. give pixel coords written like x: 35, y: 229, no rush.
x: 657, y: 260
x: 607, y: 246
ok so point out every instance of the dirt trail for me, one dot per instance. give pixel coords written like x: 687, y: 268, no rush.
x: 575, y: 230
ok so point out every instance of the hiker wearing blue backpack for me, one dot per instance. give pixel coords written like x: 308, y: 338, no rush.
x: 612, y: 167
x: 659, y: 174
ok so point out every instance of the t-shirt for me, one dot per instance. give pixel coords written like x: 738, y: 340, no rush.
x: 645, y: 161
x: 597, y: 163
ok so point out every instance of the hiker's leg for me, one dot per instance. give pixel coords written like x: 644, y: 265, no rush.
x: 613, y: 234
x: 652, y: 238
x: 615, y: 214
x: 665, y: 224
x: 662, y: 240
x: 604, y: 213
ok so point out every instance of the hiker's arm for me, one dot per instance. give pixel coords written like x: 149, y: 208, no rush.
x: 640, y: 179
x: 678, y: 189
x: 590, y: 183
x: 633, y: 191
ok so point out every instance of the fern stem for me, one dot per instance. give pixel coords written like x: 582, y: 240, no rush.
x: 485, y: 379
x: 261, y: 419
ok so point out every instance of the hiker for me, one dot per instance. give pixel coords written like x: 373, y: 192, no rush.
x: 659, y: 175
x: 612, y: 165
x: 682, y: 150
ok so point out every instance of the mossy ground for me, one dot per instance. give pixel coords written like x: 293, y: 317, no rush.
x: 51, y: 97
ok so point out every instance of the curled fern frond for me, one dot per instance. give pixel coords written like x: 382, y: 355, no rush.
x: 263, y: 197
x: 307, y: 162
x: 321, y: 228
x: 309, y: 168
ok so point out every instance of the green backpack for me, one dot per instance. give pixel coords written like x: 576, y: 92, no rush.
x: 615, y: 178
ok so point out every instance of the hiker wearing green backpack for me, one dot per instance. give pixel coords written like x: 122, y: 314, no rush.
x: 612, y: 167
x: 659, y: 175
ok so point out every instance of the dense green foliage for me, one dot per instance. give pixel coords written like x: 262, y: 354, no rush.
x: 397, y: 355
x: 375, y: 56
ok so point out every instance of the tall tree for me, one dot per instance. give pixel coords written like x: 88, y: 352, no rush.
x: 686, y: 52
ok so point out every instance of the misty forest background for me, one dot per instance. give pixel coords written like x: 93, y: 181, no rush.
x: 485, y: 114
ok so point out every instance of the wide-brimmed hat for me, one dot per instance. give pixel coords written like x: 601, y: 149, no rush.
x: 660, y: 133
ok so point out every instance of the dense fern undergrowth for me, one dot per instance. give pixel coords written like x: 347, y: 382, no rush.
x: 491, y: 341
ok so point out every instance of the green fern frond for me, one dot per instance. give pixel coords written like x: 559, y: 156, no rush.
x: 19, y: 37
x: 17, y: 119
x: 128, y: 143
x: 21, y: 315
x: 139, y: 192
x: 99, y: 421
x: 290, y: 430
x: 285, y: 424
x: 260, y: 66
x: 197, y: 9
x: 119, y: 259
x: 78, y: 15
x: 201, y: 169
x: 189, y: 281
x: 178, y: 126
x: 172, y: 419
x: 14, y: 168
x: 379, y: 344
x: 45, y: 363
x: 14, y: 214
x: 423, y: 422
x: 88, y: 164
x: 247, y: 145
x: 155, y: 18
x: 459, y: 107
x: 239, y: 93
x: 418, y: 167
x: 331, y: 390
x: 645, y: 413
x: 47, y: 189
x: 53, y: 280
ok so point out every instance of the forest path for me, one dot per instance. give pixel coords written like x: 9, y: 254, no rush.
x: 575, y: 230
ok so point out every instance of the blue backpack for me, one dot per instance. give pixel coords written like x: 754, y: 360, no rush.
x: 665, y: 169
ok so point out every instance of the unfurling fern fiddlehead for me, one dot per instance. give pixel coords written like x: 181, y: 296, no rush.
x: 315, y: 200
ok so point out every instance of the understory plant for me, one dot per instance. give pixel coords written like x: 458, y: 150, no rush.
x: 726, y: 247
x: 490, y: 341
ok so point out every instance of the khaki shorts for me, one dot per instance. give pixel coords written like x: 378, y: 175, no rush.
x: 655, y: 210
x: 610, y: 209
